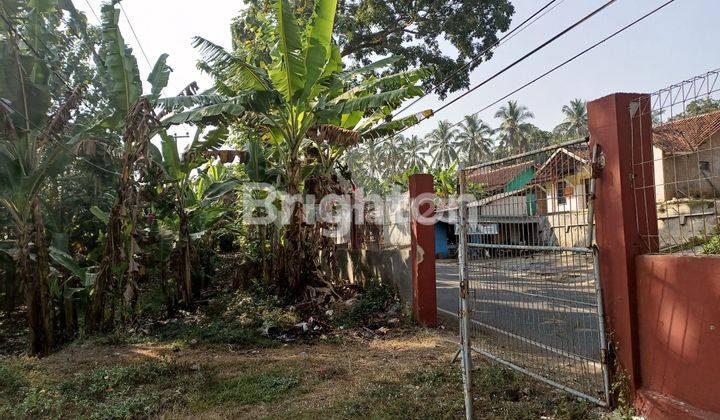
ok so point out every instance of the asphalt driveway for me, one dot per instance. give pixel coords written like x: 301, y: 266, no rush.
x: 546, y: 304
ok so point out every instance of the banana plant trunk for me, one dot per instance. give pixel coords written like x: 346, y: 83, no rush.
x: 185, y: 258
x: 43, y: 276
x: 99, y: 315
x: 295, y: 258
x: 35, y: 282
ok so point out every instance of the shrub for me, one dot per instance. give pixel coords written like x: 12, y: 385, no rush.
x: 376, y: 297
x: 712, y: 246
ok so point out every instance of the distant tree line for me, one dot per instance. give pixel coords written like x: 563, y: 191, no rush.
x: 377, y: 164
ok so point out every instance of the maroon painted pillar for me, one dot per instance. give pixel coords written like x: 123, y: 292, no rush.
x: 625, y: 215
x: 422, y: 252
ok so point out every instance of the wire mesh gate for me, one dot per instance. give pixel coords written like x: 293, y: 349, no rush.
x: 530, y: 292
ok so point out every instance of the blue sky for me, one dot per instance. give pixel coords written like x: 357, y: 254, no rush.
x: 675, y: 44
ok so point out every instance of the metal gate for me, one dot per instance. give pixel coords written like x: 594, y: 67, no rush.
x: 530, y: 291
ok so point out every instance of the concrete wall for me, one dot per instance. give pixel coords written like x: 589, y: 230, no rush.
x: 659, y: 174
x: 678, y: 330
x: 387, y: 265
x: 568, y: 222
x: 512, y: 206
x: 681, y: 220
x: 574, y: 201
x: 662, y: 311
x: 681, y: 176
x: 567, y: 229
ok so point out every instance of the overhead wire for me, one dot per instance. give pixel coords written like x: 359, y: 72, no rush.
x: 528, y: 54
x: 92, y: 10
x: 507, y: 37
x: 508, y: 67
x: 62, y: 145
x: 32, y: 49
x: 571, y: 59
x: 132, y: 29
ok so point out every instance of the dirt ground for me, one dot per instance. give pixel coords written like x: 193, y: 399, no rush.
x: 406, y: 374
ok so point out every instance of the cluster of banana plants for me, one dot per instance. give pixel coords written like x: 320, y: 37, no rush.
x: 100, y: 130
x: 308, y: 109
x: 96, y: 199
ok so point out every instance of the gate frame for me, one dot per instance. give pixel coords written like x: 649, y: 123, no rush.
x: 464, y: 290
x: 597, y: 163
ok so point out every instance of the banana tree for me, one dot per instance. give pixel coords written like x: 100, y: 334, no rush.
x: 130, y: 120
x: 33, y: 149
x: 189, y: 192
x: 305, y: 106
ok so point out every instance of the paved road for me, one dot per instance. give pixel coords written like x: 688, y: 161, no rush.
x: 521, y: 301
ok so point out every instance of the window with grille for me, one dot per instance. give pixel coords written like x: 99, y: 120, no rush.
x: 561, y: 200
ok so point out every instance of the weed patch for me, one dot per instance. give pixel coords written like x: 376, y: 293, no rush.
x: 140, y: 389
x: 423, y: 393
x: 435, y: 392
x: 246, y: 389
x: 12, y: 379
x: 374, y: 300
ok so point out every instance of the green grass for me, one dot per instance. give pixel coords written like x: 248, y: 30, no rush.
x: 140, y: 390
x: 284, y: 389
x: 246, y: 389
x: 136, y: 390
x: 435, y: 392
x: 12, y: 379
x: 214, y: 332
x: 233, y: 318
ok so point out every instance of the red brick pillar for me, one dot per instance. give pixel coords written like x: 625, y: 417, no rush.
x: 422, y: 252
x: 625, y: 215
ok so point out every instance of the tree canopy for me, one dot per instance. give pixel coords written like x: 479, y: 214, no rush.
x: 452, y: 37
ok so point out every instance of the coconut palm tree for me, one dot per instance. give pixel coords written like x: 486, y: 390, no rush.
x: 372, y: 152
x: 575, y: 123
x: 443, y: 145
x: 414, y: 153
x: 391, y: 152
x: 515, y: 130
x: 475, y: 139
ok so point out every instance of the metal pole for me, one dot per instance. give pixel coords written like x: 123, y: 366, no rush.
x: 591, y: 199
x: 601, y: 325
x: 596, y: 272
x: 464, y: 300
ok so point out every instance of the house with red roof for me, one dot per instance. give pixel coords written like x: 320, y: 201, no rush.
x: 563, y: 184
x: 687, y: 158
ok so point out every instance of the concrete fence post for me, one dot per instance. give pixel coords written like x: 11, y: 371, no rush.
x: 422, y: 253
x: 625, y: 214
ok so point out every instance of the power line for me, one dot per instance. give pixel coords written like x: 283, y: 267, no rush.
x: 62, y: 145
x: 63, y: 79
x: 132, y: 29
x: 528, y: 54
x: 33, y: 50
x: 508, y: 67
x: 92, y: 10
x: 573, y: 58
x: 515, y: 31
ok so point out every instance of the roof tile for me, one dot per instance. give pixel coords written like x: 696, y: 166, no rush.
x: 687, y: 134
